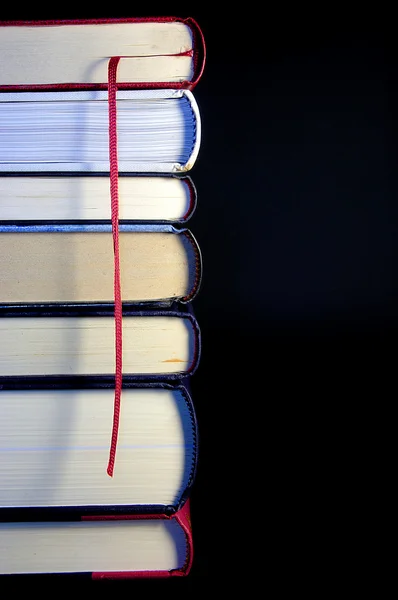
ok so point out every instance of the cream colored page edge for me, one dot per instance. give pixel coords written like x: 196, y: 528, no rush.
x: 80, y: 53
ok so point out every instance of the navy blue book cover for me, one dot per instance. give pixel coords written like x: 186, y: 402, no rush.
x: 24, y: 318
x: 56, y: 447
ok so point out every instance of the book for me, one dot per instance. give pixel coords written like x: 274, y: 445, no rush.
x: 79, y: 342
x: 54, y: 445
x: 158, y: 131
x: 156, y: 52
x: 51, y: 197
x: 50, y: 264
x: 111, y: 547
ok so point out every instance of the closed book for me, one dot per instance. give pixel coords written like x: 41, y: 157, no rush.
x: 50, y: 264
x: 54, y: 446
x: 164, y: 51
x: 99, y: 547
x: 79, y: 342
x: 68, y: 131
x: 73, y: 198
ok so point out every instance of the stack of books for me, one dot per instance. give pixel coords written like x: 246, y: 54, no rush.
x: 99, y: 129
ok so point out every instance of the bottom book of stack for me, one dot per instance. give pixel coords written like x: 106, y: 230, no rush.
x: 60, y: 512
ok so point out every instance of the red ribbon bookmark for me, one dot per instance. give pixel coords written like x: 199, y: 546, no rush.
x: 114, y: 188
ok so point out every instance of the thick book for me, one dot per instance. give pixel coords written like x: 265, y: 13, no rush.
x: 72, y: 198
x: 54, y: 445
x: 156, y: 52
x: 50, y: 264
x: 79, y: 341
x: 109, y: 547
x: 158, y: 131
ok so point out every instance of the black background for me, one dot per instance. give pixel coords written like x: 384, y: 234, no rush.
x: 297, y: 222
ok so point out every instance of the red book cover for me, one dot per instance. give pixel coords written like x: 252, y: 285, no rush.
x: 98, y: 547
x: 183, y: 517
x: 73, y: 53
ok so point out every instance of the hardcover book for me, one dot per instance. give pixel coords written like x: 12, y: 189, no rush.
x: 54, y: 445
x: 50, y: 264
x: 108, y: 547
x: 79, y: 341
x: 46, y: 54
x: 158, y: 131
x: 73, y: 198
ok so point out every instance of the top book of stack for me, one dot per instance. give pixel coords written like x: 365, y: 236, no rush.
x: 161, y: 52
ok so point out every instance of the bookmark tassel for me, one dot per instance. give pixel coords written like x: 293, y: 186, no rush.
x: 114, y: 187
